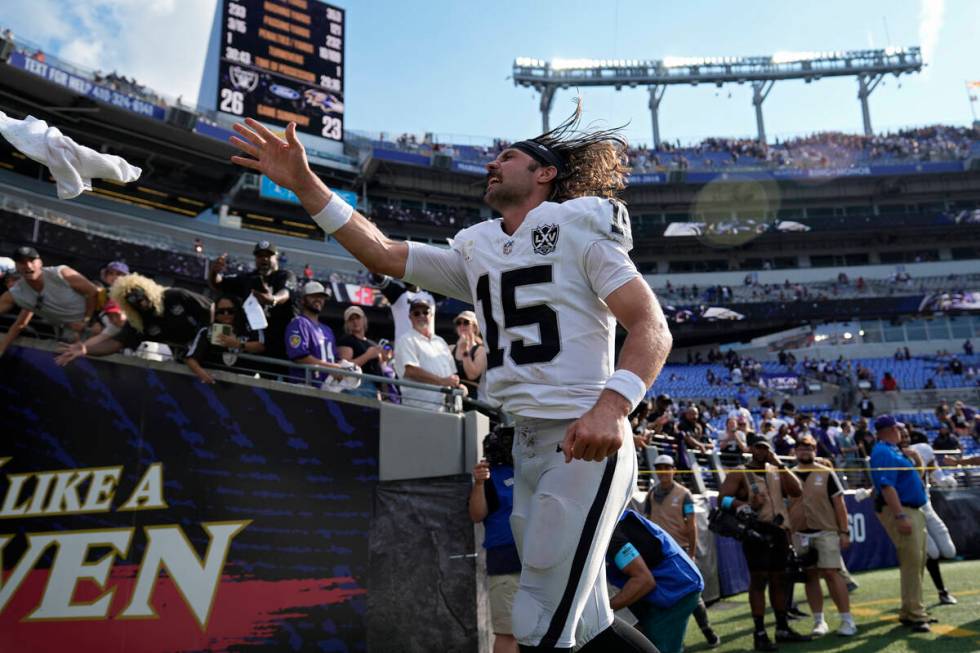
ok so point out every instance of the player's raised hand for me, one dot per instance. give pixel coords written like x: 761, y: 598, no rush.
x: 282, y: 161
x: 597, y: 434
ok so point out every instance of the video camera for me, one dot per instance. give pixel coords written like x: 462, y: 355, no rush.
x: 743, y: 526
x: 497, y: 446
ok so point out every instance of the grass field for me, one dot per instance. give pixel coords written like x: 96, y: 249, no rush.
x: 875, y: 607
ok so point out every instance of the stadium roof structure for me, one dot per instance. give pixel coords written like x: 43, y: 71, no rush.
x: 868, y: 66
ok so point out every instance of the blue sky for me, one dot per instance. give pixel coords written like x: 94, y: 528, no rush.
x: 443, y: 66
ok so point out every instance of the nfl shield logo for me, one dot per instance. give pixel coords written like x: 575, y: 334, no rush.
x: 508, y: 247
x: 544, y: 239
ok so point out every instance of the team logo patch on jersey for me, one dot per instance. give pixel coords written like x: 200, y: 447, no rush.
x: 508, y: 247
x: 544, y: 239
x: 294, y: 340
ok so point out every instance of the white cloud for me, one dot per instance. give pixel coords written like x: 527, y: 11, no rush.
x: 86, y: 53
x: 160, y: 43
x: 930, y: 24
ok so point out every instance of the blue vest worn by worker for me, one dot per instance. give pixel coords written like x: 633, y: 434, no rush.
x: 676, y: 575
x: 496, y: 526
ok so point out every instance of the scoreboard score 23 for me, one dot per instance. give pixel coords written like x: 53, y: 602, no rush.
x: 282, y: 61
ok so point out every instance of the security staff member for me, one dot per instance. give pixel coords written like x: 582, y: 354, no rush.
x: 899, y: 495
x: 759, y: 487
x: 659, y: 583
x: 819, y: 521
x: 671, y: 506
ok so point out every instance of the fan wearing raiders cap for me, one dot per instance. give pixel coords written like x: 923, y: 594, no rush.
x: 271, y: 285
x: 549, y: 281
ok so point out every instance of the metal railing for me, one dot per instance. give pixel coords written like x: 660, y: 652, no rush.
x: 315, y: 376
x: 707, y: 471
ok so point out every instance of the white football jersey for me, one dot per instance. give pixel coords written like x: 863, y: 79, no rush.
x: 538, y: 296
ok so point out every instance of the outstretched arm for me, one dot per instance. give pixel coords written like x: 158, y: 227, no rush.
x: 284, y: 162
x: 23, y: 319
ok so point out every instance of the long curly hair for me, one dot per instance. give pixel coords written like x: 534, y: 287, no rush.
x: 596, y: 162
x: 126, y: 284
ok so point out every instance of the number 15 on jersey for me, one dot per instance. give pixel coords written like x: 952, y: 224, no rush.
x: 540, y: 315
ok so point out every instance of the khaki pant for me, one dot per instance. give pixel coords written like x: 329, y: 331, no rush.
x: 911, y: 550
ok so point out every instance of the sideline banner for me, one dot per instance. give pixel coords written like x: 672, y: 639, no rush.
x: 870, y: 546
x: 141, y: 511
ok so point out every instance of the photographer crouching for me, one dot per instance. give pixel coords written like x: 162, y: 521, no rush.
x: 754, y: 494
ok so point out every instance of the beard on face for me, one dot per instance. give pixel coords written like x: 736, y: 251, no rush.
x: 504, y: 194
x: 310, y: 305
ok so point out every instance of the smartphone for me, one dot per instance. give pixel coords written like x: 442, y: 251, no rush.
x: 218, y: 330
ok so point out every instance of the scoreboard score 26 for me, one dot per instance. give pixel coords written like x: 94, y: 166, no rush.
x: 282, y: 61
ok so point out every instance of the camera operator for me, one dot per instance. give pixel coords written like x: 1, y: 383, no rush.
x: 819, y: 521
x: 755, y: 493
x: 671, y: 506
x: 491, y: 502
x: 658, y: 581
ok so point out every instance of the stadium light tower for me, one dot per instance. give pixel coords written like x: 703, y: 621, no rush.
x: 869, y: 67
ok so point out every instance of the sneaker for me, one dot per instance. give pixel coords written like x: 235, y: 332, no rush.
x: 790, y: 635
x: 847, y: 629
x: 820, y: 629
x: 947, y: 599
x: 711, y: 637
x: 761, y: 642
x: 921, y: 627
x: 795, y: 613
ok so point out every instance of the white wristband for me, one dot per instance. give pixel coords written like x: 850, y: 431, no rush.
x: 629, y: 385
x: 334, y: 215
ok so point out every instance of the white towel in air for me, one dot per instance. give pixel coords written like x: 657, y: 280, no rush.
x: 73, y: 166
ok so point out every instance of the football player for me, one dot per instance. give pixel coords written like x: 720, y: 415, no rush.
x: 549, y: 281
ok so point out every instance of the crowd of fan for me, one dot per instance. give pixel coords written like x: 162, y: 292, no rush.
x: 686, y: 430
x: 821, y: 150
x: 847, y: 374
x: 897, y: 283
x: 404, y: 215
x: 263, y: 311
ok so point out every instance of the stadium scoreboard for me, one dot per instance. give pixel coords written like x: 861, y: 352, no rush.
x: 282, y: 61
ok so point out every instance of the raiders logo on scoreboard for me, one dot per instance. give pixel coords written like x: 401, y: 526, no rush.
x: 544, y: 239
x: 243, y: 78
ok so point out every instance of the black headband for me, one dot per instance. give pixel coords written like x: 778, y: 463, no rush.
x: 541, y: 153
